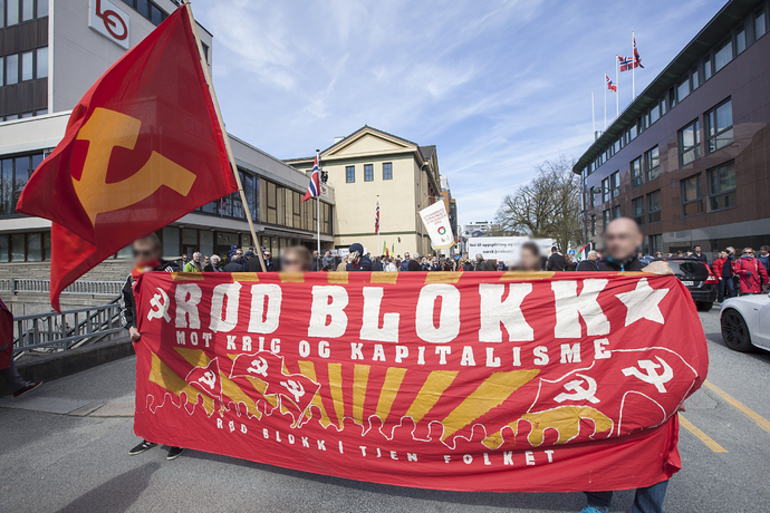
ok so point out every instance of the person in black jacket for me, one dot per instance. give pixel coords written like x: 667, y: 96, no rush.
x: 697, y: 252
x: 147, y: 257
x: 357, y: 259
x: 556, y: 262
x: 621, y: 240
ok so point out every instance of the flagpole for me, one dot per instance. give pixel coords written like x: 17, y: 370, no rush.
x: 593, y: 115
x: 606, y: 86
x: 617, y: 88
x: 233, y: 165
x: 318, y: 204
x: 633, y: 67
x: 379, y: 248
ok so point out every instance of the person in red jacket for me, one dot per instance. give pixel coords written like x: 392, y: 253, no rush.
x: 717, y: 266
x: 752, y: 273
x: 19, y: 386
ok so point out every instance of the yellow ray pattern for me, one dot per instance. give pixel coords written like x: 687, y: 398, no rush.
x: 341, y: 277
x: 162, y: 375
x: 292, y: 277
x: 443, y: 277
x: 394, y: 376
x: 244, y: 276
x: 335, y: 387
x: 430, y: 393
x: 178, y: 276
x: 383, y: 277
x: 261, y: 387
x: 360, y: 381
x: 490, y: 394
x: 308, y: 369
x: 526, y: 275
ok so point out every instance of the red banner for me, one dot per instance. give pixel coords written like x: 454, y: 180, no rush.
x: 456, y: 381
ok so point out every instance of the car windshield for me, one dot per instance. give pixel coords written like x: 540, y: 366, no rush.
x: 689, y: 269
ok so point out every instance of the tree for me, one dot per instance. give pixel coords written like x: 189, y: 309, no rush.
x: 548, y: 207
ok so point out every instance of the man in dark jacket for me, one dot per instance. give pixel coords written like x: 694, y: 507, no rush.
x: 147, y: 257
x: 727, y: 273
x: 357, y: 260
x: 377, y: 264
x: 413, y: 264
x: 621, y: 240
x: 697, y: 253
x: 236, y: 263
x: 556, y: 262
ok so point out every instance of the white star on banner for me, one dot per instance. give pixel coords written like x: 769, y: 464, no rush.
x: 643, y: 302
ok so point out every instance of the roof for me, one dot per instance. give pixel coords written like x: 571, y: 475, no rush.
x: 430, y: 149
x: 711, y: 35
x: 427, y: 151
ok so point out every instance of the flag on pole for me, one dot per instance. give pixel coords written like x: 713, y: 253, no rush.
x: 582, y: 253
x: 314, y: 187
x: 142, y: 148
x: 626, y: 63
x: 385, y: 249
x: 610, y: 84
x: 377, y: 218
x: 637, y: 58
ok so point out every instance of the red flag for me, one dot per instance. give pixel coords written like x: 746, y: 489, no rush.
x: 142, y: 148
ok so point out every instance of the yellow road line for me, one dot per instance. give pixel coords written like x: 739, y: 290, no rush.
x: 751, y: 414
x: 700, y: 435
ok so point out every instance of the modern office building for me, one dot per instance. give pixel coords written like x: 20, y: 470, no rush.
x: 371, y: 165
x: 51, y: 52
x: 689, y: 159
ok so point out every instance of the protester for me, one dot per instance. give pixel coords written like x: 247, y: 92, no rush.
x: 297, y: 259
x: 343, y: 265
x: 529, y: 258
x: 377, y: 265
x: 697, y: 253
x: 147, y: 257
x: 413, y: 264
x: 727, y: 273
x: 590, y: 264
x: 316, y: 265
x: 270, y: 265
x: 556, y: 262
x: 357, y: 260
x: 621, y: 238
x: 405, y: 262
x: 18, y: 385
x: 328, y: 260
x: 390, y: 266
x: 658, y: 255
x: 213, y: 266
x: 764, y: 257
x: 751, y: 272
x: 717, y: 268
x: 466, y: 264
x: 235, y: 265
x: 182, y: 261
x: 194, y: 266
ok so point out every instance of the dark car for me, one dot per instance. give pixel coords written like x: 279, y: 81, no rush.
x: 697, y: 277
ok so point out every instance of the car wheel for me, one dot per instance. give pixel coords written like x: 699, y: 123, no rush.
x: 735, y: 333
x: 704, y: 306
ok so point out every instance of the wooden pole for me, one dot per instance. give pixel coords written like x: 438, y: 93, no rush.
x: 233, y: 165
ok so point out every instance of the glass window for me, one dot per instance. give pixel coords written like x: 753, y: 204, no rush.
x: 143, y: 6
x: 616, y: 212
x: 3, y: 248
x: 654, y: 114
x: 189, y: 237
x: 42, y: 62
x: 707, y: 68
x: 350, y: 174
x: 683, y: 90
x: 593, y: 225
x: 722, y: 187
x: 694, y: 79
x: 387, y: 171
x: 653, y: 207
x: 652, y: 164
x: 2, y: 61
x: 34, y: 247
x: 2, y: 20
x: 11, y: 69
x: 692, y: 202
x: 249, y: 190
x: 6, y: 167
x: 17, y: 247
x: 20, y: 177
x: 27, y: 67
x: 605, y: 219
x: 368, y: 172
x: 606, y: 190
x: 723, y: 56
x: 740, y: 41
x: 637, y: 205
x: 719, y: 126
x: 760, y: 26
x: 27, y: 10
x: 206, y: 242
x: 42, y: 8
x: 13, y: 13
x: 156, y: 16
x: 689, y: 143
x: 171, y: 241
x: 636, y: 172
x: 615, y: 183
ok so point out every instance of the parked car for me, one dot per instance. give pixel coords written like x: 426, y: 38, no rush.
x: 745, y: 322
x: 697, y: 277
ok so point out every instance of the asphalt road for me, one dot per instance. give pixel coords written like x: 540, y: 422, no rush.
x: 56, y: 462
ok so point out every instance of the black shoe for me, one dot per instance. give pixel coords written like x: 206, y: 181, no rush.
x: 174, y: 453
x: 142, y: 447
x: 31, y: 385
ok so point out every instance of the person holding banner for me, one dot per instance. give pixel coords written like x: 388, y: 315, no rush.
x: 529, y: 258
x: 621, y: 240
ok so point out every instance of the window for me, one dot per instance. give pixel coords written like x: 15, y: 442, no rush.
x: 149, y: 10
x: 42, y: 8
x: 722, y: 187
x: 605, y: 219
x: 652, y: 164
x: 17, y: 247
x: 683, y: 90
x: 171, y: 241
x: 11, y: 69
x: 653, y: 207
x: 689, y: 143
x: 350, y: 174
x: 740, y: 41
x: 593, y: 225
x: 719, y: 126
x: 42, y: 62
x: 387, y: 171
x: 723, y: 55
x: 694, y: 79
x: 368, y: 172
x: 655, y: 244
x: 707, y: 68
x: 692, y: 201
x: 26, y: 66
x: 636, y: 172
x: 654, y: 114
x: 760, y: 26
x: 27, y: 9
x: 615, y: 183
x: 12, y: 17
x: 606, y: 190
x: 637, y: 205
x: 616, y: 212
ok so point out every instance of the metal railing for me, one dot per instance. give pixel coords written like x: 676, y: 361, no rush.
x: 54, y: 331
x: 96, y: 288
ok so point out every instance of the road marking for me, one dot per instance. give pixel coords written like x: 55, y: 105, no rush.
x: 700, y: 435
x: 751, y: 414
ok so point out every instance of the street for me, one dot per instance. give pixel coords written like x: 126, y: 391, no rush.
x: 60, y: 454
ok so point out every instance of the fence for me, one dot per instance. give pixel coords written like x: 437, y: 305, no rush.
x: 95, y: 288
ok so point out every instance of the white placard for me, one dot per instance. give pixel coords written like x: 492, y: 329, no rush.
x: 437, y: 223
x: 502, y: 249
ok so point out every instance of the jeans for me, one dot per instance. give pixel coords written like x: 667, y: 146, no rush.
x: 726, y: 288
x: 646, y: 500
x: 11, y: 376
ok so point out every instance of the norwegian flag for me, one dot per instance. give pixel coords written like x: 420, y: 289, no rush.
x: 637, y: 58
x: 610, y: 84
x: 626, y: 63
x: 377, y: 218
x: 314, y: 187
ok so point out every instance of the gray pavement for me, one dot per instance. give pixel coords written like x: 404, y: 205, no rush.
x: 58, y: 455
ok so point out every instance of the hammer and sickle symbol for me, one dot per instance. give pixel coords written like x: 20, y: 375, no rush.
x: 652, y: 377
x: 579, y: 393
x: 105, y: 130
x: 159, y: 308
x: 294, y: 388
x: 209, y: 379
x: 259, y: 367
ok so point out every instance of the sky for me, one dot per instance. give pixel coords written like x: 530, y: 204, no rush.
x: 497, y: 86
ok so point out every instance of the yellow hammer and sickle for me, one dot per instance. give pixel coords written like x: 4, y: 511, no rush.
x: 105, y: 130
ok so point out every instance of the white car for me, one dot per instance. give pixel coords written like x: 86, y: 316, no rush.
x: 745, y: 322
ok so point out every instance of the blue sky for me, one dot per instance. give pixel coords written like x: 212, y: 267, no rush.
x: 497, y: 86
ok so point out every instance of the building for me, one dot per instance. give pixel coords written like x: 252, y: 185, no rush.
x: 689, y: 158
x: 450, y: 204
x: 51, y: 52
x: 369, y: 166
